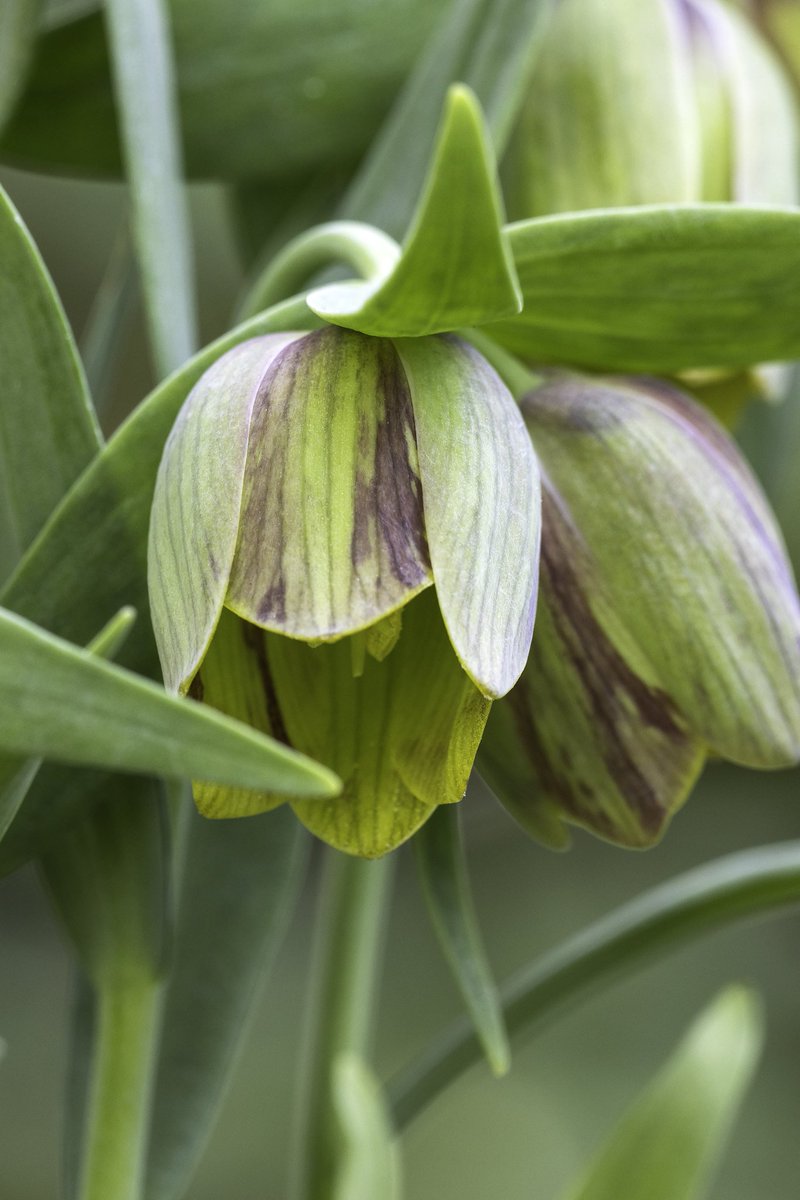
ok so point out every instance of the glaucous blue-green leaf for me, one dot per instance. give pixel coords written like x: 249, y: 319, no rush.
x: 760, y: 125
x: 443, y: 871
x: 226, y: 937
x: 659, y: 288
x: 455, y: 268
x: 490, y: 45
x: 48, y: 430
x: 59, y: 701
x: 197, y: 503
x: 402, y: 732
x: 279, y: 91
x: 480, y: 492
x: 668, y: 1144
x: 608, y: 116
x: 140, y: 45
x: 331, y: 535
x: 669, y: 622
x: 368, y: 1156
x: 18, y: 27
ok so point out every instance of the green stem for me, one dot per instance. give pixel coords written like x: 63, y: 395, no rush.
x: 120, y: 1092
x: 371, y: 253
x: 518, y: 378
x: 346, y: 960
x: 669, y: 916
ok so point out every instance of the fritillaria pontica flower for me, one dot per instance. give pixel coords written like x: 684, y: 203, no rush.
x: 648, y: 102
x: 344, y: 553
x: 668, y: 626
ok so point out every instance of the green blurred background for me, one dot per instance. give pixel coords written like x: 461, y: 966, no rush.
x: 520, y: 1139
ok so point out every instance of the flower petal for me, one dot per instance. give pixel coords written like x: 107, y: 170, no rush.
x: 687, y: 552
x: 480, y: 491
x: 195, y: 516
x: 403, y: 732
x: 331, y: 536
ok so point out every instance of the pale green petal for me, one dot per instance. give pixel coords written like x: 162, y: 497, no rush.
x: 331, y: 534
x: 480, y: 491
x: 198, y: 496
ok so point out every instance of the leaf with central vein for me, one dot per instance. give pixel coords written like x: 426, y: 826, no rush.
x: 59, y: 701
x: 659, y: 289
x: 480, y: 493
x: 48, y: 430
x: 331, y: 536
x: 455, y: 268
x: 402, y: 735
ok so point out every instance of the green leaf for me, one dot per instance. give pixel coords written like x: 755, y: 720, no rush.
x: 480, y: 492
x: 226, y: 937
x: 669, y: 623
x: 59, y: 701
x: 18, y: 28
x: 48, y: 431
x: 455, y: 268
x: 667, y: 1145
x: 659, y: 289
x: 275, y: 93
x: 401, y: 733
x: 369, y: 1162
x: 443, y: 870
x: 609, y: 115
x: 489, y: 45
x: 141, y: 53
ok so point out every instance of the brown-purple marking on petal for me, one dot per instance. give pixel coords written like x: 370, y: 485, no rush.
x: 254, y: 639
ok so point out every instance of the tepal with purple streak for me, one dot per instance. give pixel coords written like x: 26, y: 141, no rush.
x: 668, y: 628
x: 344, y: 552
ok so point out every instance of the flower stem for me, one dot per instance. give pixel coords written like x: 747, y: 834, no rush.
x: 712, y: 896
x: 120, y: 1092
x: 346, y: 960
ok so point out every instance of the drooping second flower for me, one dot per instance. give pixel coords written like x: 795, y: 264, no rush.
x: 316, y: 491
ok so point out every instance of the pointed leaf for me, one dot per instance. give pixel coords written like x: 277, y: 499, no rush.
x: 403, y: 732
x: 443, y: 870
x: 480, y: 493
x: 196, y: 506
x: 369, y: 1162
x: 331, y: 529
x: 61, y: 702
x: 226, y: 938
x: 140, y: 45
x: 667, y: 1145
x: 48, y: 431
x: 490, y: 45
x: 660, y: 289
x: 455, y: 268
x: 609, y: 115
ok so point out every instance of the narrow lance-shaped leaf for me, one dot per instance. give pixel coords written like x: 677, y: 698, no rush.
x: 369, y: 1161
x: 226, y: 937
x: 660, y: 289
x: 442, y: 865
x: 48, y: 431
x: 60, y: 701
x: 141, y: 53
x: 455, y: 268
x: 480, y: 490
x: 667, y: 1145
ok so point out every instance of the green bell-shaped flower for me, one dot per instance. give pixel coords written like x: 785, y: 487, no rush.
x: 649, y: 102
x: 668, y: 627
x: 315, y: 491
